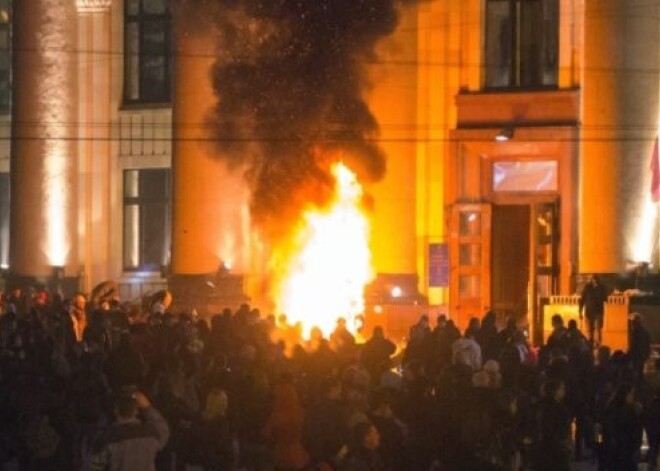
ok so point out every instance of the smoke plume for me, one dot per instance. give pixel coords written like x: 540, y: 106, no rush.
x: 289, y: 79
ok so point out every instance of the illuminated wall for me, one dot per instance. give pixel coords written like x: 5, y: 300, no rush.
x: 620, y: 120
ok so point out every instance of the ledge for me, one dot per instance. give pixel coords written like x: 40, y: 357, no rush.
x: 526, y: 108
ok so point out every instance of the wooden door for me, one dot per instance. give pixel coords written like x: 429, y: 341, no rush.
x: 469, y: 258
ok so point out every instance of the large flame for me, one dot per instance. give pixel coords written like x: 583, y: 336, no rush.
x: 324, y: 276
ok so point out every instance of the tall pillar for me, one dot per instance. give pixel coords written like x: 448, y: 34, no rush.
x: 619, y: 124
x: 94, y: 72
x: 392, y: 100
x: 44, y: 138
x: 206, y: 229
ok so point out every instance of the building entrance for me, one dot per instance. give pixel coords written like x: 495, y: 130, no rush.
x: 510, y: 267
x: 504, y: 257
x: 524, y: 267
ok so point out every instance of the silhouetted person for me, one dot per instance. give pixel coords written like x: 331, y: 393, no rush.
x: 390, y: 428
x: 592, y: 304
x: 131, y: 443
x: 623, y: 429
x: 640, y: 345
x: 557, y: 338
x: 341, y: 340
x: 326, y: 424
x: 210, y: 442
x: 363, y: 454
x: 554, y: 421
x: 375, y: 354
x: 284, y: 428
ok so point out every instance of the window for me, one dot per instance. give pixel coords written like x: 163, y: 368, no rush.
x: 5, y: 59
x: 522, y: 43
x: 147, y: 219
x: 147, y: 52
x: 536, y: 175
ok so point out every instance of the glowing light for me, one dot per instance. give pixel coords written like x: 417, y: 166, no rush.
x: 643, y: 242
x: 324, y: 272
x: 396, y: 292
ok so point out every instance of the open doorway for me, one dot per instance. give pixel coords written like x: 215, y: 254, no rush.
x: 510, y: 267
x: 524, y: 261
x: 504, y: 258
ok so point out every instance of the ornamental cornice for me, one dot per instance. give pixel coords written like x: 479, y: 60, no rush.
x: 93, y: 6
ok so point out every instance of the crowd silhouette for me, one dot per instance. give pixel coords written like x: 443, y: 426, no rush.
x: 94, y: 384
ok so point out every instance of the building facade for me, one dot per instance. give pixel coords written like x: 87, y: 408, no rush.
x: 518, y: 135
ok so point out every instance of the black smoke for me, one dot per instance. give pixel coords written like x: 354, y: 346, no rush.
x: 289, y: 79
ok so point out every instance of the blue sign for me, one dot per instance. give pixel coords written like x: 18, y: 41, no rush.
x: 438, y: 265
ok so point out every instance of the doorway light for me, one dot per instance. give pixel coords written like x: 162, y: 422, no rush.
x: 504, y: 135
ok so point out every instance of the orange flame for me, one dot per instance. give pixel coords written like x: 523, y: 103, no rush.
x: 324, y: 276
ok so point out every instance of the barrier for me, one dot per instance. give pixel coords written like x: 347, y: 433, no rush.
x: 615, y: 326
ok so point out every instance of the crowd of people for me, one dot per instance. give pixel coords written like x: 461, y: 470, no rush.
x: 93, y: 384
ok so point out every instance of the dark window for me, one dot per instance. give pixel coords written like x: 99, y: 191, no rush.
x: 5, y: 59
x: 147, y: 51
x: 522, y: 43
x: 147, y: 216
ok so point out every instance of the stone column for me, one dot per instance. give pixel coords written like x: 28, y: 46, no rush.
x: 94, y: 72
x: 619, y: 124
x: 393, y: 99
x: 200, y: 194
x: 44, y: 138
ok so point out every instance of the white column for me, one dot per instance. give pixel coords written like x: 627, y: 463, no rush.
x: 44, y: 137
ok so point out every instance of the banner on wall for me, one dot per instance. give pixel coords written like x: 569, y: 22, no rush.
x: 438, y: 265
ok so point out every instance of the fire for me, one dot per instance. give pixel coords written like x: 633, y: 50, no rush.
x: 324, y: 275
